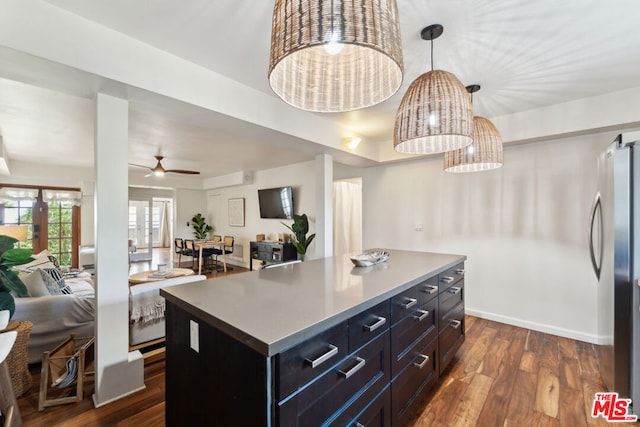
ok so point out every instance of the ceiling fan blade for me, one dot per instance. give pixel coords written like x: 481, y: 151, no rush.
x: 140, y: 166
x: 183, y: 171
x: 148, y: 175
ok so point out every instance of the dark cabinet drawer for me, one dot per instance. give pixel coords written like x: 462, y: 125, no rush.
x: 368, y: 409
x: 451, y: 335
x: 404, y: 334
x: 404, y: 304
x: 365, y: 371
x: 368, y: 325
x: 450, y: 298
x: 377, y: 414
x: 428, y: 290
x: 417, y: 377
x: 450, y: 276
x: 302, y: 363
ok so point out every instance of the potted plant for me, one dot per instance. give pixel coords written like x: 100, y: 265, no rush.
x: 9, y: 280
x: 300, y: 228
x: 200, y: 227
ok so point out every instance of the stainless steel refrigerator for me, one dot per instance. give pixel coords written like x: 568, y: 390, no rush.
x: 614, y: 241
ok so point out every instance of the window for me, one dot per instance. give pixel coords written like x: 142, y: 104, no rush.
x: 60, y: 233
x: 53, y: 216
x: 19, y: 212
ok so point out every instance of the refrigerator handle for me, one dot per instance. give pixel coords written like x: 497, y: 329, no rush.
x: 596, y: 209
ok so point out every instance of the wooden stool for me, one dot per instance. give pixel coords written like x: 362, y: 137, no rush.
x: 17, y: 360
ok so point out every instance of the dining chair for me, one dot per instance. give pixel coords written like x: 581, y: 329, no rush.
x: 190, y: 250
x: 178, y: 248
x: 227, y: 247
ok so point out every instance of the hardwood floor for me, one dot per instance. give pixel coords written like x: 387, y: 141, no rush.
x: 509, y: 376
x: 502, y: 376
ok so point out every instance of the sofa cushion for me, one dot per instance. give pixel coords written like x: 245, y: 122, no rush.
x: 34, y: 283
x: 54, y: 282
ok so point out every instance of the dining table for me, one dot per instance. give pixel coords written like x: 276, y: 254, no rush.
x: 210, y: 244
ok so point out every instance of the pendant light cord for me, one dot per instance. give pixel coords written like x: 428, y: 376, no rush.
x: 432, y: 54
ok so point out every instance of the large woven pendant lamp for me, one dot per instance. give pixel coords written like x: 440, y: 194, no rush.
x: 335, y: 55
x: 485, y: 153
x: 435, y: 114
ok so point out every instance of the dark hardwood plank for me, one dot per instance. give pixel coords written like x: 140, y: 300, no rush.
x: 468, y: 410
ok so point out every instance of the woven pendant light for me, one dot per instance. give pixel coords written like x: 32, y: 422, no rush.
x: 485, y: 153
x: 435, y: 114
x: 335, y: 55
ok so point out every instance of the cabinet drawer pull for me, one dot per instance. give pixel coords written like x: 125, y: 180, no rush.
x: 422, y: 316
x: 455, y: 324
x: 370, y: 328
x: 359, y: 365
x: 410, y: 303
x: 460, y: 271
x: 455, y: 290
x: 447, y: 279
x: 333, y: 350
x: 430, y: 289
x: 421, y: 364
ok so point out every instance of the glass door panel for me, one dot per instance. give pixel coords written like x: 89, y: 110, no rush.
x: 140, y: 230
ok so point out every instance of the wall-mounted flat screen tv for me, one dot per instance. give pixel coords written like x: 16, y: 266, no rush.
x: 276, y: 203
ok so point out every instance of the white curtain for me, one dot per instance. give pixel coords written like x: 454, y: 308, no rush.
x: 73, y: 197
x: 165, y: 231
x: 347, y: 217
x: 8, y: 194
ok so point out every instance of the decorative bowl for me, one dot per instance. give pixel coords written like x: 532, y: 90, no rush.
x: 369, y: 258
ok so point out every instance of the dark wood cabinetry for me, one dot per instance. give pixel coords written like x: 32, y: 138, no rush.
x: 271, y: 252
x: 374, y: 368
x: 451, y: 312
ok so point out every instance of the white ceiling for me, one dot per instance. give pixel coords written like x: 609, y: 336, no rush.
x: 525, y: 54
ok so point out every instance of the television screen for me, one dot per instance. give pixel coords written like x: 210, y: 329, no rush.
x: 276, y: 203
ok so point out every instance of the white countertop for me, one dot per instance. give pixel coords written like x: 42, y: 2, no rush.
x: 273, y: 309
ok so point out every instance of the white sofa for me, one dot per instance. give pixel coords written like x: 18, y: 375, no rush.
x: 54, y: 317
x: 147, y: 308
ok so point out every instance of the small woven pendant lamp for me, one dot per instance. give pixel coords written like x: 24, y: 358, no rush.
x: 335, y: 55
x: 485, y: 153
x: 435, y: 114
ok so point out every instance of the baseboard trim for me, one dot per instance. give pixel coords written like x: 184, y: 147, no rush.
x: 535, y: 326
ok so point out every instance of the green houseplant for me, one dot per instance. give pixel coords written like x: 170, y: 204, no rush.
x: 200, y: 227
x: 9, y: 280
x: 300, y: 228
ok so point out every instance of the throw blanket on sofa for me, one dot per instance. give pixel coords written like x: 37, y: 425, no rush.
x: 146, y: 304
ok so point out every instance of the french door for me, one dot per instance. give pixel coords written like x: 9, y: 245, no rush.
x: 141, y: 229
x: 149, y: 226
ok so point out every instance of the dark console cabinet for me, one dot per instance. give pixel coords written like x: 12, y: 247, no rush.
x: 270, y: 252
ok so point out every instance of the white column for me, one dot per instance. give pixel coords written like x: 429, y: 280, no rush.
x: 324, y: 206
x: 118, y: 372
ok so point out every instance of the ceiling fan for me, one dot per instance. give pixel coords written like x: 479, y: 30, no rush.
x: 158, y: 170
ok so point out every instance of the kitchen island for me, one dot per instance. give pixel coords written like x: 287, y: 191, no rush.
x: 318, y: 342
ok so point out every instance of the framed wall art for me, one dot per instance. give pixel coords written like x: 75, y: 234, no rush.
x: 236, y: 212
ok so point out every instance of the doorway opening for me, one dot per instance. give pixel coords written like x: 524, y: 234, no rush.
x: 347, y: 216
x: 150, y: 228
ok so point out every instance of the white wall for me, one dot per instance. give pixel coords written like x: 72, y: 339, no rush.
x: 300, y: 176
x: 523, y: 228
x: 188, y: 203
